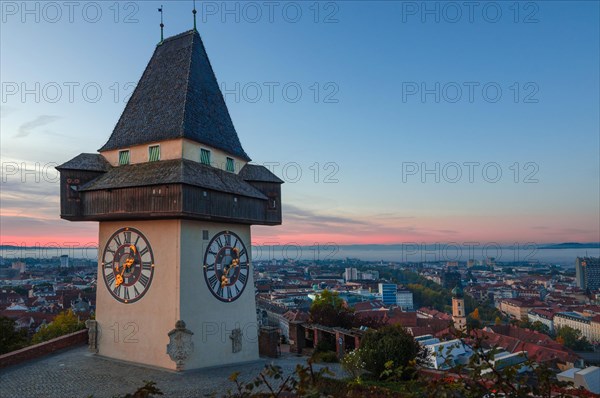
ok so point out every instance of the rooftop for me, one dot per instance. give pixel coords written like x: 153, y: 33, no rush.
x: 177, y: 97
x: 177, y: 171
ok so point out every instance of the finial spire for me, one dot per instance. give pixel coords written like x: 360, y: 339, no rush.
x: 162, y: 25
x: 194, y: 12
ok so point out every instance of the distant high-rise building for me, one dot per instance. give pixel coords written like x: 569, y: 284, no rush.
x: 388, y: 293
x: 404, y: 299
x: 64, y: 261
x: 587, y: 272
x: 350, y: 274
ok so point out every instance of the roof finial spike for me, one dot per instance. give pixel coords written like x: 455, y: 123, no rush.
x: 195, y: 12
x: 162, y: 25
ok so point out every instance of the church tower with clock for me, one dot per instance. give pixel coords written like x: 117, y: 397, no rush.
x: 175, y: 195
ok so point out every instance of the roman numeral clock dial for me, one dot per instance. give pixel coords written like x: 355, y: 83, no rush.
x: 226, y: 266
x: 127, y: 265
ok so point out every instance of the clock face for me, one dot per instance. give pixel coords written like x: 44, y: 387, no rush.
x: 226, y: 266
x: 127, y: 265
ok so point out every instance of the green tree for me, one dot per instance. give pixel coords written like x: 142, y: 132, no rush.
x: 10, y: 338
x: 329, y: 309
x: 389, y: 344
x: 537, y: 326
x: 571, y: 338
x: 66, y: 322
x: 472, y: 322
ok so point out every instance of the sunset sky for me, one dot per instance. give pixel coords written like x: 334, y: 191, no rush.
x: 500, y: 103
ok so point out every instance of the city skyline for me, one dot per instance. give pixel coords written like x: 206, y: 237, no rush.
x: 385, y: 150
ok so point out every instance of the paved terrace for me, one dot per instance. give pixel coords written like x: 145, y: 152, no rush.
x: 76, y: 373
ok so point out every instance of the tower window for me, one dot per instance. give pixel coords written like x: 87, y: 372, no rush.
x: 204, y: 234
x: 154, y: 153
x: 205, y: 156
x: 123, y: 157
x: 272, y: 202
x: 230, y: 165
x: 73, y: 189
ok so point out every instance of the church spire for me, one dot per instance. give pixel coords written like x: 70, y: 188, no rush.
x: 194, y: 12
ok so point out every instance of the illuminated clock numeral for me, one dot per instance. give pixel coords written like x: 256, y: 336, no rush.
x: 146, y: 265
x: 117, y: 240
x: 137, y: 239
x: 144, y: 280
x: 127, y: 237
x: 219, y: 243
x: 107, y: 264
x: 227, y: 240
x: 242, y: 278
x: 242, y: 253
x: 237, y: 289
x: 144, y: 251
x: 117, y: 290
x: 229, y: 295
x: 126, y: 293
x: 136, y: 292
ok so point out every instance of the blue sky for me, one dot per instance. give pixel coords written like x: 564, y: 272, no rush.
x: 357, y: 120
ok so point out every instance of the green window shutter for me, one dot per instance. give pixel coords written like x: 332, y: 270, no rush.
x: 123, y: 157
x: 205, y: 156
x: 230, y: 166
x: 154, y: 153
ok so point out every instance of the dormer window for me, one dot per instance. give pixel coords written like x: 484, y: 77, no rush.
x: 154, y: 153
x: 123, y: 157
x: 205, y: 156
x: 230, y: 165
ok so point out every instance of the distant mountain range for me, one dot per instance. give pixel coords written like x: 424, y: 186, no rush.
x: 571, y: 245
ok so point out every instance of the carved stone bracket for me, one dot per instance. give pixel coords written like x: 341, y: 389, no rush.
x: 236, y: 340
x: 92, y: 326
x: 180, y: 346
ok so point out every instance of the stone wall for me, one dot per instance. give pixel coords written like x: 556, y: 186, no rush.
x: 45, y: 348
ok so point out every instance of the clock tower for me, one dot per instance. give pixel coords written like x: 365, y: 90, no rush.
x: 175, y: 195
x: 458, y: 309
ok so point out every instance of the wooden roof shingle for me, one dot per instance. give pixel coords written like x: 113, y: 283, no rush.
x: 177, y: 97
x: 177, y: 171
x: 253, y: 172
x: 87, y: 162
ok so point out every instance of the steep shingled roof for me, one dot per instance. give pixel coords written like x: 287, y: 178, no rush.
x: 253, y: 172
x: 177, y: 97
x: 178, y: 171
x: 87, y: 162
